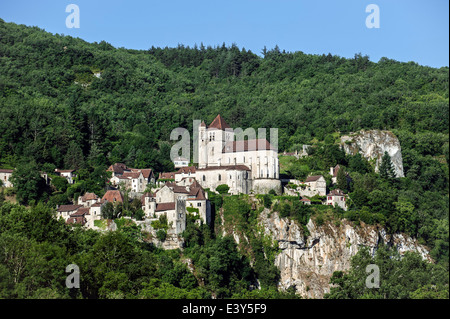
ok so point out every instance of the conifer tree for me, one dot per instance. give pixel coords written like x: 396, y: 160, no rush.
x: 387, y: 168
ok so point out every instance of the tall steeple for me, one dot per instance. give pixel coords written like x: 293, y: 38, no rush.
x: 219, y: 123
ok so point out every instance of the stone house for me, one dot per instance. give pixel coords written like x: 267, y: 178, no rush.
x: 337, y: 197
x: 131, y: 177
x: 133, y: 181
x: 113, y: 196
x: 67, y: 173
x: 173, y: 200
x: 64, y: 211
x: 316, y: 185
x: 79, y: 217
x: 180, y: 162
x: 88, y: 199
x: 5, y: 175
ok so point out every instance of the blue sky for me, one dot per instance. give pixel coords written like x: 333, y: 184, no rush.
x: 409, y: 30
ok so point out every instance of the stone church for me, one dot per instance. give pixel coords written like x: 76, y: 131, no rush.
x: 244, y: 165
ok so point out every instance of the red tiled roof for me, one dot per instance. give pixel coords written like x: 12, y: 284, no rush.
x: 198, y: 192
x: 219, y: 123
x: 146, y: 172
x: 203, y: 124
x: 247, y: 145
x: 185, y: 170
x: 129, y: 175
x: 81, y: 212
x: 165, y: 206
x: 112, y: 196
x: 305, y: 200
x: 170, y: 175
x: 89, y: 196
x: 76, y: 220
x: 68, y: 208
x: 312, y: 178
x: 6, y: 170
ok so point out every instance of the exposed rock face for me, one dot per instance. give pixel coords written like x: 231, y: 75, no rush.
x: 372, y: 145
x: 309, y: 264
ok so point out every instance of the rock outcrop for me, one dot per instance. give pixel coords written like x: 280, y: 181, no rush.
x: 309, y: 264
x: 372, y: 145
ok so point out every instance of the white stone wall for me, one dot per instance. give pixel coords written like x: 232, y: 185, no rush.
x: 4, y: 177
x: 264, y: 186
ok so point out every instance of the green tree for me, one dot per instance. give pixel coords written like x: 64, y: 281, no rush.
x: 386, y: 169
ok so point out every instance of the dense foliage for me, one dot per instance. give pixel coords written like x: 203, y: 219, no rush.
x: 66, y: 103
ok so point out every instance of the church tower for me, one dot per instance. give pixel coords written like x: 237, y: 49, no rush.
x: 212, y: 141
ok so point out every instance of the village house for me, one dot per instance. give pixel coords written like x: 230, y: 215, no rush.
x: 337, y: 197
x: 173, y: 200
x: 316, y: 185
x: 188, y: 171
x: 132, y: 178
x: 180, y: 162
x: 5, y: 175
x: 134, y: 181
x: 113, y: 196
x: 68, y: 174
x: 313, y: 185
x: 79, y: 217
x: 64, y: 211
x: 88, y: 199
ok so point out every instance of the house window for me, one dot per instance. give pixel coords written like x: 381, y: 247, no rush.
x: 220, y: 177
x: 204, y: 177
x: 199, y: 204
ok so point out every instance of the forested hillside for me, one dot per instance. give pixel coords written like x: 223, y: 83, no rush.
x: 69, y: 104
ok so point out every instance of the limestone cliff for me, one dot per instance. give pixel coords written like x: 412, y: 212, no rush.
x: 372, y: 145
x: 309, y: 264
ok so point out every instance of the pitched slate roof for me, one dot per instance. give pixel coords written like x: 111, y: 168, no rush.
x: 247, y: 145
x: 118, y: 168
x: 68, y: 208
x: 219, y: 123
x: 336, y: 192
x: 312, y: 178
x: 81, y: 212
